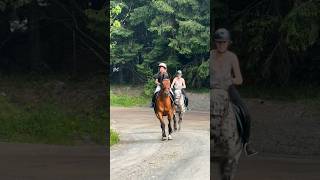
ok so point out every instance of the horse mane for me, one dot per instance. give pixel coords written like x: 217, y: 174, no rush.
x: 166, y: 81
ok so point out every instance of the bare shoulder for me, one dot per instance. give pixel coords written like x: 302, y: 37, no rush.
x: 233, y: 57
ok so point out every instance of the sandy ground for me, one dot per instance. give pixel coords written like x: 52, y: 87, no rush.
x: 289, y: 128
x: 142, y: 155
x: 278, y: 167
x: 50, y: 162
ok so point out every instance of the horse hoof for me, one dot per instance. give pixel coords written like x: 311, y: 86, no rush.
x: 164, y: 138
x: 170, y: 137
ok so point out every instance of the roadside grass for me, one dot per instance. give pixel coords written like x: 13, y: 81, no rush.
x: 48, y: 123
x: 35, y: 113
x: 128, y: 101
x: 114, y: 137
x: 128, y: 96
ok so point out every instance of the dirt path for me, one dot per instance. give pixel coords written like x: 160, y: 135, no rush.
x: 289, y: 128
x: 278, y: 167
x: 51, y: 162
x: 142, y: 155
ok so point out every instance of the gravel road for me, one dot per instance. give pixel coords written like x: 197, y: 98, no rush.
x: 142, y: 155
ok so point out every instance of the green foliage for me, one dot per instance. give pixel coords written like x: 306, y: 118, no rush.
x: 149, y: 87
x: 175, y: 32
x: 301, y: 26
x: 97, y: 21
x: 197, y: 41
x: 127, y: 100
x: 273, y: 38
x: 162, y: 6
x: 203, y: 70
x: 124, y: 52
x: 13, y: 3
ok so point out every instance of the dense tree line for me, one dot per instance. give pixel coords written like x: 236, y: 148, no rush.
x: 277, y: 41
x: 146, y: 32
x: 52, y: 36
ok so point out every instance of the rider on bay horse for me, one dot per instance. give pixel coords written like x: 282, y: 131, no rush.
x: 180, y: 84
x: 159, y: 77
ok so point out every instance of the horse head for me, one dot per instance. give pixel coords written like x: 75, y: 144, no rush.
x: 166, y: 86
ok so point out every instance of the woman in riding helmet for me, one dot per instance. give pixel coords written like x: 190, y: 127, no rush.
x: 179, y: 83
x: 159, y: 77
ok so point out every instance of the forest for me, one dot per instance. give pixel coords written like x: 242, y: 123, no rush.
x: 145, y: 33
x: 52, y: 36
x: 277, y: 42
x: 53, y: 59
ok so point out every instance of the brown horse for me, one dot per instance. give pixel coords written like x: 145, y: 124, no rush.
x: 164, y: 107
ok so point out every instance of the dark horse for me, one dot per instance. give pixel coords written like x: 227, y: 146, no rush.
x: 164, y: 107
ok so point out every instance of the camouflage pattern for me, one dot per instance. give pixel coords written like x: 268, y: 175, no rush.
x: 226, y: 146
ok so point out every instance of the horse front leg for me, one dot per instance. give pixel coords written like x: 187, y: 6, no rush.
x: 174, y: 122
x: 170, y: 126
x: 180, y: 120
x: 163, y: 127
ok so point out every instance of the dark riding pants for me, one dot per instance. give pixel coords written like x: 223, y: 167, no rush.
x: 186, y: 99
x: 236, y: 99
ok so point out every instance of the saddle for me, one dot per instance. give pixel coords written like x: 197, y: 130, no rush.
x: 156, y: 96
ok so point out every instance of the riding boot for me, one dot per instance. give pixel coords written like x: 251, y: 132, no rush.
x: 172, y: 98
x: 186, y: 99
x: 186, y: 102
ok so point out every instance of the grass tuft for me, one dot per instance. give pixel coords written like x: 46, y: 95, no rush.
x: 114, y: 137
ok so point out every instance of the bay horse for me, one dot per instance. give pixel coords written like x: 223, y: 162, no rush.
x: 164, y: 107
x: 225, y: 137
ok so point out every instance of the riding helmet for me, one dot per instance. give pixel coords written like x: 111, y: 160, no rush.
x: 162, y: 65
x: 222, y: 34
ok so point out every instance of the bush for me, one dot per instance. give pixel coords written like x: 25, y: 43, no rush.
x: 149, y: 88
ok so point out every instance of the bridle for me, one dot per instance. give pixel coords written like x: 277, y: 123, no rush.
x: 165, y: 87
